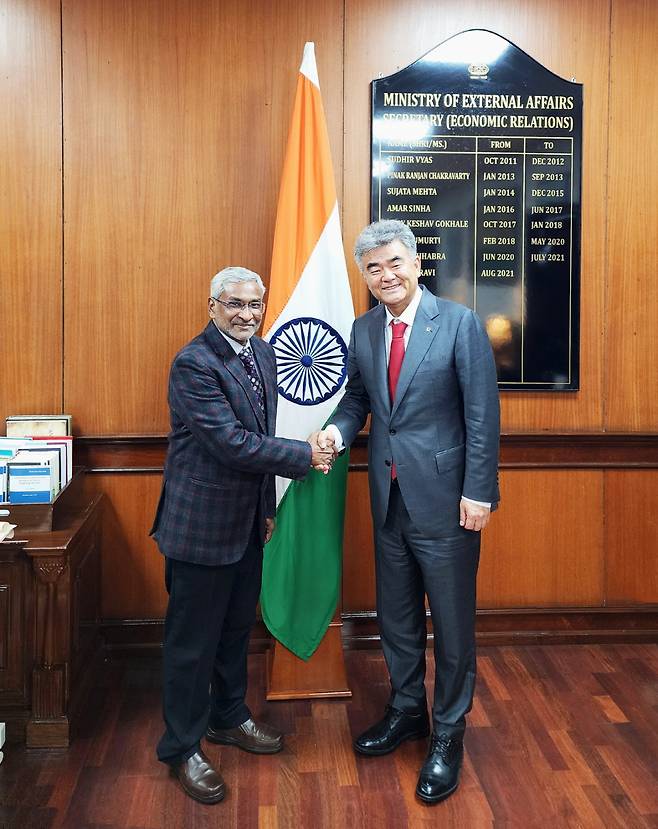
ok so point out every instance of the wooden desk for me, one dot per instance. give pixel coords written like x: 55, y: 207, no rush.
x: 49, y: 626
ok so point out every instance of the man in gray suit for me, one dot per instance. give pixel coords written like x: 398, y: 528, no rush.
x: 423, y: 368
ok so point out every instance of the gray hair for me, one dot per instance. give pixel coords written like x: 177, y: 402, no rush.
x: 233, y: 274
x: 383, y: 233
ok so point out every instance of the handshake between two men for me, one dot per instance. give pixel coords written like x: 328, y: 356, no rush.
x: 434, y: 387
x: 323, y: 446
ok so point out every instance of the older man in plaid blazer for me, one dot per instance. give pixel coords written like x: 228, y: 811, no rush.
x: 216, y: 511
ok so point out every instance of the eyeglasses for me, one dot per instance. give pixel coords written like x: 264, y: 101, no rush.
x: 256, y: 307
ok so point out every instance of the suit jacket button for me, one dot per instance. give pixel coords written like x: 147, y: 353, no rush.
x: 391, y: 431
x: 387, y: 462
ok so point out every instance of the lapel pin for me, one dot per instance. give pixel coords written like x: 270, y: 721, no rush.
x: 428, y: 329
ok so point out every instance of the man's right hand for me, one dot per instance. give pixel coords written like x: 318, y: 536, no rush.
x: 323, y: 451
x: 325, y: 440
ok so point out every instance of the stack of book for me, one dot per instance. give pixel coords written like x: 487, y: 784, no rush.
x: 36, y: 458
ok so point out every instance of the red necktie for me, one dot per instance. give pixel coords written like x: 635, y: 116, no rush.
x: 395, y: 364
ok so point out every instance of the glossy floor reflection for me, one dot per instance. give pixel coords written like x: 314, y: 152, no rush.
x: 560, y: 736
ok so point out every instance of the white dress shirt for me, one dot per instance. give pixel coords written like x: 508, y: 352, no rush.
x: 407, y: 316
x: 235, y: 345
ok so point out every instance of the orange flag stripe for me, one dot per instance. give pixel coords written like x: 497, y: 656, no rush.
x: 306, y: 198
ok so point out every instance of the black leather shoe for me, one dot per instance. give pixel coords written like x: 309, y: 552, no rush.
x: 439, y: 776
x: 257, y: 738
x: 396, y: 727
x: 199, y: 779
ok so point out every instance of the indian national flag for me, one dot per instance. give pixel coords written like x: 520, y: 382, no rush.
x: 308, y: 321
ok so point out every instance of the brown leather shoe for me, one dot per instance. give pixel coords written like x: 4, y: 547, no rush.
x: 199, y: 779
x: 250, y: 736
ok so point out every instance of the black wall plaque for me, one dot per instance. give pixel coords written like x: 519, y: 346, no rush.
x: 477, y: 147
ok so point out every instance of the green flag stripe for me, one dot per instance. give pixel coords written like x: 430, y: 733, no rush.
x: 305, y: 550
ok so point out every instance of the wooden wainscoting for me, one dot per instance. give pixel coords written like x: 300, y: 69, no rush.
x: 569, y: 556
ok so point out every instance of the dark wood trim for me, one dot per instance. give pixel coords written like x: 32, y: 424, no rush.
x: 549, y: 626
x: 144, y: 636
x: 121, y: 453
x: 597, y: 450
x: 601, y: 450
x: 540, y: 626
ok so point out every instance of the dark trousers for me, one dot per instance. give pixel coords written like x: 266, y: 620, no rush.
x: 209, y: 618
x: 408, y: 566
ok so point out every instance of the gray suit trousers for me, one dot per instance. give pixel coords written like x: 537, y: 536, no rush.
x: 408, y: 566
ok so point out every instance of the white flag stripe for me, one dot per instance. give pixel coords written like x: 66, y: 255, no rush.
x: 323, y: 293
x: 308, y: 67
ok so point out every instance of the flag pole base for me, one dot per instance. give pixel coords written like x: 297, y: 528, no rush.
x: 322, y: 676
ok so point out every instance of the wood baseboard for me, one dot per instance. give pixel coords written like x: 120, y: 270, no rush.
x: 550, y: 626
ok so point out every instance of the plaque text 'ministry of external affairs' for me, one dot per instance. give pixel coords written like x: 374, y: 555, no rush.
x: 477, y: 147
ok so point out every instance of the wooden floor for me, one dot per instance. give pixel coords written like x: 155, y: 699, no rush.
x: 560, y: 736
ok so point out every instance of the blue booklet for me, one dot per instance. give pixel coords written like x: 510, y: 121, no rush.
x: 29, y: 484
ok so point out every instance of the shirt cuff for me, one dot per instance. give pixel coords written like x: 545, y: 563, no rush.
x: 334, y: 431
x: 479, y: 503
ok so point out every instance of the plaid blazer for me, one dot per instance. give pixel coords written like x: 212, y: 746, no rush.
x: 222, y: 456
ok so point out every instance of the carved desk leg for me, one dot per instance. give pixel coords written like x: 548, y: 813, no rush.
x: 49, y: 725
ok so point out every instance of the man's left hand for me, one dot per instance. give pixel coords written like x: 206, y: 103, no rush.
x: 270, y: 526
x: 473, y: 516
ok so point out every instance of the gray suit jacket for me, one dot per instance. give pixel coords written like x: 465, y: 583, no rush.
x: 442, y: 431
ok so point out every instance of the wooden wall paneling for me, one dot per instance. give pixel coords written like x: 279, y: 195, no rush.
x: 570, y: 38
x: 631, y: 537
x: 544, y: 545
x: 176, y: 114
x: 30, y: 207
x: 543, y: 548
x: 358, y: 550
x: 132, y: 566
x: 632, y: 289
x: 175, y: 119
